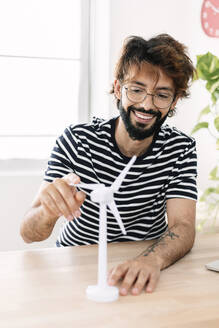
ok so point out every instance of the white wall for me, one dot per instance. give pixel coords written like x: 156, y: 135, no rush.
x: 18, y: 187
x: 181, y: 19
x: 40, y: 70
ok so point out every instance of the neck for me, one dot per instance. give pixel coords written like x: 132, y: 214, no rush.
x: 127, y: 146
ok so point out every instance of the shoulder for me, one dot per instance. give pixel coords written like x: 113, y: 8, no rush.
x: 96, y: 127
x: 174, y: 136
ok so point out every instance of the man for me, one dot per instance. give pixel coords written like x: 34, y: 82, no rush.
x: 150, y: 77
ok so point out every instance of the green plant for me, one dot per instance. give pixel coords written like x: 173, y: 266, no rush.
x: 207, y: 70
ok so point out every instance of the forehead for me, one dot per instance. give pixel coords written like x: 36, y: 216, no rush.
x: 148, y: 75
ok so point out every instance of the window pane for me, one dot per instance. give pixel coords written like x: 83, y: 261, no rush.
x: 40, y: 65
x: 45, y: 28
x: 38, y: 96
x: 26, y: 147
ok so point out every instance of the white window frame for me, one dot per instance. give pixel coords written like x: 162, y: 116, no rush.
x: 94, y: 79
x: 84, y: 83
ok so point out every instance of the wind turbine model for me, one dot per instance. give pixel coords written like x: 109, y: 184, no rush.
x: 102, y: 292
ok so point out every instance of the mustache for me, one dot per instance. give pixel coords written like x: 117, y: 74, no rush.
x: 142, y: 110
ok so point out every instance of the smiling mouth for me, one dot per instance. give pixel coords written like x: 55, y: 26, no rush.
x: 143, y: 117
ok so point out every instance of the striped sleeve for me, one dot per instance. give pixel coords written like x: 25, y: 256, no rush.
x: 63, y: 157
x: 183, y: 179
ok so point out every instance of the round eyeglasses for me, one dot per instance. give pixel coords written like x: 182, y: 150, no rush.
x: 160, y: 99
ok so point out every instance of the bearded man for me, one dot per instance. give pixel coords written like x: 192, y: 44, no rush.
x: 157, y: 198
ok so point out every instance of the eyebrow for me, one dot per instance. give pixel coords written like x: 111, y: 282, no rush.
x: 159, y: 88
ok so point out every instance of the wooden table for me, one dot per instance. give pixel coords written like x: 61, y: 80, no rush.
x: 46, y: 289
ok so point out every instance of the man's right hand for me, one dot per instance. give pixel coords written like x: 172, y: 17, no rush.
x: 59, y: 198
x: 52, y: 201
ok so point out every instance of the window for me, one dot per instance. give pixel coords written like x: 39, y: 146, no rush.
x: 44, y: 78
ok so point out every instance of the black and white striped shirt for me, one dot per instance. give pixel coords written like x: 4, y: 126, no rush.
x: 167, y: 170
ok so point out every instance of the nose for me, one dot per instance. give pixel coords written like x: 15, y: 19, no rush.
x: 147, y: 103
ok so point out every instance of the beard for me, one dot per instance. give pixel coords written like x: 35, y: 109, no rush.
x: 140, y: 131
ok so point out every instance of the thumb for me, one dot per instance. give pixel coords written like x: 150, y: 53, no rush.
x: 80, y: 197
x: 72, y: 178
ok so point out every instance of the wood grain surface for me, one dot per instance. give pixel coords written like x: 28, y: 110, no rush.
x: 46, y: 289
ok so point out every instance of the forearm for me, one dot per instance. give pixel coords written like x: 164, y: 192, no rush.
x: 144, y: 269
x: 172, y: 245
x: 35, y: 226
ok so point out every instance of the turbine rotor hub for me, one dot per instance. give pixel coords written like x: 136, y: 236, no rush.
x: 102, y: 195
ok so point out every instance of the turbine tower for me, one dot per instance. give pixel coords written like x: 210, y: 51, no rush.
x: 103, y: 195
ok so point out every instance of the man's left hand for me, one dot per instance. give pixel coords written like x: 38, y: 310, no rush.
x: 136, y: 275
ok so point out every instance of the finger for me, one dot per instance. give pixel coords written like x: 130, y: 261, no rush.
x: 117, y: 273
x: 80, y: 197
x: 128, y: 280
x: 140, y: 282
x: 55, y: 192
x: 66, y: 192
x: 152, y: 282
x: 109, y: 275
x: 71, y: 178
x: 110, y: 272
x: 49, y: 205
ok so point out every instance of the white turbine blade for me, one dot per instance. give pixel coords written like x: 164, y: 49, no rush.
x: 91, y: 186
x: 117, y: 183
x: 112, y: 206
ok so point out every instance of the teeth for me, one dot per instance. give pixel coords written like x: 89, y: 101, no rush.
x: 145, y: 117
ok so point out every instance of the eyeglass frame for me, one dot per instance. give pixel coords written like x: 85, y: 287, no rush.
x: 148, y: 94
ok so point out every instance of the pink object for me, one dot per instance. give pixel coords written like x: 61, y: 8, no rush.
x: 210, y: 18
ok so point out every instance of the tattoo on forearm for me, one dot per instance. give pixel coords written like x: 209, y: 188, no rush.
x: 160, y: 241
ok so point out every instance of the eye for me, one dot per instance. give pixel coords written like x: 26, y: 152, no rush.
x: 163, y: 95
x: 136, y: 90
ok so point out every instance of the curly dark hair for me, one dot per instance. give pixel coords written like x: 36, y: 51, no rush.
x: 162, y: 51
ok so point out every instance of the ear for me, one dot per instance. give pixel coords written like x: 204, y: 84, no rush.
x: 175, y: 102
x: 117, y: 89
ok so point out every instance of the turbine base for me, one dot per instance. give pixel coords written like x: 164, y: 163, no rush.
x: 102, y: 294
